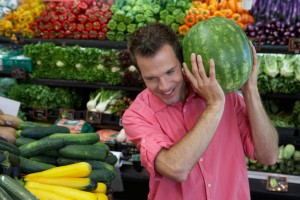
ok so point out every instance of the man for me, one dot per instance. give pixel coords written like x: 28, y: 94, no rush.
x: 192, y: 137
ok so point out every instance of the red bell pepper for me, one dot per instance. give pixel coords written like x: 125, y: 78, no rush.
x: 50, y: 6
x: 71, y: 18
x: 104, y: 28
x: 76, y: 35
x: 54, y: 18
x: 75, y: 9
x: 88, y: 2
x: 57, y: 26
x: 92, y: 18
x: 101, y: 35
x: 52, y: 34
x: 93, y: 34
x: 60, y: 34
x: 66, y: 25
x: 82, y: 6
x: 84, y: 34
x: 107, y: 15
x: 105, y: 7
x: 49, y: 26
x: 89, y: 11
x: 95, y: 8
x: 37, y: 33
x: 45, y: 34
x: 72, y: 27
x: 61, y: 9
x: 41, y: 25
x: 46, y: 18
x: 62, y: 18
x: 96, y: 25
x: 82, y: 18
x: 103, y: 20
x: 80, y: 27
x: 33, y: 26
x: 88, y: 26
x: 98, y: 14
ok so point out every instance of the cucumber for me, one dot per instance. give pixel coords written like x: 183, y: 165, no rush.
x: 5, y: 146
x: 39, y: 146
x: 111, y: 159
x: 28, y: 124
x: 44, y: 159
x: 78, y: 151
x: 96, y: 164
x: 4, y: 195
x: 82, y: 138
x: 40, y: 132
x: 30, y: 166
x: 51, y: 153
x: 105, y: 146
x: 22, y: 140
x: 15, y: 189
x: 102, y: 175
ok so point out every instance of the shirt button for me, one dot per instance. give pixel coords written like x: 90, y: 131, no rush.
x: 143, y: 140
x: 209, y: 185
x: 201, y: 159
x: 184, y: 110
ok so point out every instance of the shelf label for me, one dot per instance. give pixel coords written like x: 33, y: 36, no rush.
x: 66, y: 113
x: 93, y: 117
x: 40, y: 114
x: 256, y: 43
x: 294, y: 44
x: 277, y: 183
x: 18, y: 72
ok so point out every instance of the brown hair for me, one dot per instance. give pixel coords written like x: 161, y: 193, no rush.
x: 148, y: 40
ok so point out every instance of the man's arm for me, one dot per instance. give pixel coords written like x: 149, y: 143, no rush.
x: 264, y: 134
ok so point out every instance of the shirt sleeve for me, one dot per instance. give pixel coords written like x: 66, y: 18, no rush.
x: 244, y: 124
x: 144, y: 131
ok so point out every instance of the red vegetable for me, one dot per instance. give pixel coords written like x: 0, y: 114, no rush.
x: 80, y: 27
x: 93, y: 34
x: 88, y: 26
x: 96, y: 25
x: 101, y: 36
x: 57, y: 26
x: 104, y: 28
x: 82, y: 18
x: 71, y: 17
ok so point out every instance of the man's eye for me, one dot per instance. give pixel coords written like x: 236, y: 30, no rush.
x: 171, y: 71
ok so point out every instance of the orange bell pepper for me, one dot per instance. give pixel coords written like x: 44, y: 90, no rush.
x: 190, y: 20
x: 183, y: 29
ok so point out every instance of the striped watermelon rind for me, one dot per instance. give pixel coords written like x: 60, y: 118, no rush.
x: 224, y: 41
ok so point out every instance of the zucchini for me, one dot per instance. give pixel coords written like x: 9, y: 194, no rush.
x: 11, y: 148
x: 43, y: 131
x: 82, y: 138
x: 61, y: 190
x: 101, y: 188
x: 22, y: 140
x: 102, y: 175
x: 44, y: 159
x: 96, y: 164
x: 15, y: 189
x: 32, y: 166
x: 85, y: 184
x: 101, y: 196
x: 78, y: 151
x: 4, y: 195
x: 43, y: 194
x: 111, y: 159
x: 39, y: 146
x: 77, y: 170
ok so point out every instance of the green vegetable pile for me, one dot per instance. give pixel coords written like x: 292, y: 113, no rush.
x: 40, y: 96
x: 288, y: 162
x: 74, y: 63
x: 279, y: 73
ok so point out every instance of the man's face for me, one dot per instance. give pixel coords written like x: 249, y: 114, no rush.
x: 162, y: 75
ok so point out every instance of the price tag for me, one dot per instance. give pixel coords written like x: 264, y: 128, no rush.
x: 294, y: 44
x: 277, y: 183
x: 18, y: 72
x: 40, y: 114
x: 93, y: 117
x: 256, y: 43
x: 66, y: 113
x: 120, y: 120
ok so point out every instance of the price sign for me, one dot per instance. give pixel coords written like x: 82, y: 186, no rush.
x: 66, y: 113
x: 40, y: 114
x: 93, y: 117
x: 18, y: 72
x: 294, y: 44
x: 256, y: 43
x: 276, y: 183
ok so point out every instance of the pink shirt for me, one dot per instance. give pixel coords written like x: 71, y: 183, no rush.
x: 221, y: 171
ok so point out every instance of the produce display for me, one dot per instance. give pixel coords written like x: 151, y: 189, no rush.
x: 288, y: 162
x: 49, y: 161
x: 224, y: 41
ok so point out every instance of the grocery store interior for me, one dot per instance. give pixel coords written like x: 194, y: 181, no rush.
x: 65, y: 68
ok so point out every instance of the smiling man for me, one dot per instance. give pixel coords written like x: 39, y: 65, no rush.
x: 192, y: 137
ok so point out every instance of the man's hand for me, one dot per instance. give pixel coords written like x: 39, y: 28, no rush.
x: 206, y: 87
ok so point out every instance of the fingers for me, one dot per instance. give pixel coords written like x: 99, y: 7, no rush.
x: 255, y: 59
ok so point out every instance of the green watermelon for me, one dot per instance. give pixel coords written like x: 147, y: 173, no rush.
x: 224, y: 41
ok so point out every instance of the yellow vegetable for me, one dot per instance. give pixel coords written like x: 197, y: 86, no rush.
x: 61, y: 190
x: 86, y: 184
x: 101, y: 196
x: 101, y: 188
x: 45, y: 195
x: 77, y: 170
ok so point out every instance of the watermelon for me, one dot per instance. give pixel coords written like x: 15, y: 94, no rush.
x: 224, y: 41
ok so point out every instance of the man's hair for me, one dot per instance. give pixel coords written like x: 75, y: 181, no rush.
x: 148, y: 40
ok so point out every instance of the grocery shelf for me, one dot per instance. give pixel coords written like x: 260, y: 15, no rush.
x: 82, y: 84
x: 294, y: 96
x: 264, y: 176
